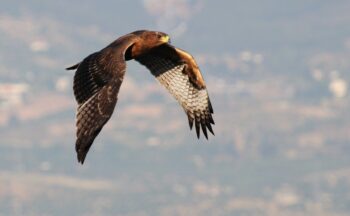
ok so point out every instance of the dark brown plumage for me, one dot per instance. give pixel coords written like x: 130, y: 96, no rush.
x: 99, y: 76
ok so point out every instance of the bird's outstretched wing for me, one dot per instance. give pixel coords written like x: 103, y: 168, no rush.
x: 96, y: 87
x: 178, y: 72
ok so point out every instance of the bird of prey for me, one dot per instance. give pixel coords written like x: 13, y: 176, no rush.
x: 99, y: 76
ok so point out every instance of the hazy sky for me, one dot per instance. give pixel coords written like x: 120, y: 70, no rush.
x: 278, y: 76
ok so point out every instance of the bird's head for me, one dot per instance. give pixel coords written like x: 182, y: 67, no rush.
x: 145, y: 41
x: 150, y: 39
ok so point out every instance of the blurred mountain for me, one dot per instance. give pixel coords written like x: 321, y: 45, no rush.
x: 278, y: 77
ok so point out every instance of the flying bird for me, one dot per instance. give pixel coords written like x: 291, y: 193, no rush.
x: 99, y: 76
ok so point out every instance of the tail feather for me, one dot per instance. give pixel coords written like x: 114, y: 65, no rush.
x: 73, y: 67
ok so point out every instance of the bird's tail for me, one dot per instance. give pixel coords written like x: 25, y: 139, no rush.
x: 73, y: 67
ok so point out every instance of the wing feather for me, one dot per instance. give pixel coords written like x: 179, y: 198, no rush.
x: 96, y: 86
x: 180, y: 77
x: 90, y: 77
x: 93, y: 115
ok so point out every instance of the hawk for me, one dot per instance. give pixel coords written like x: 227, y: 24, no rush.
x: 99, y: 76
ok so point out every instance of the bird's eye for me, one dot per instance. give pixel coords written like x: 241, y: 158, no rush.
x: 159, y: 36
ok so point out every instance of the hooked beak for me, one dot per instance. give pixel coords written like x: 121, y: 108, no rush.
x: 165, y: 39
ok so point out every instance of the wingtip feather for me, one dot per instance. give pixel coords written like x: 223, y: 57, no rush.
x: 81, y: 157
x: 190, y: 121
x: 204, y: 129
x: 211, y: 120
x: 210, y: 106
x: 198, y: 129
x: 210, y: 128
x: 82, y: 147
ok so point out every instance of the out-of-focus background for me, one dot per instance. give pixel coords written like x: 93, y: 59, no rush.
x: 278, y: 75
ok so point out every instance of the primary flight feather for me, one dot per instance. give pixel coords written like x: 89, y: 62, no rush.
x: 99, y: 76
